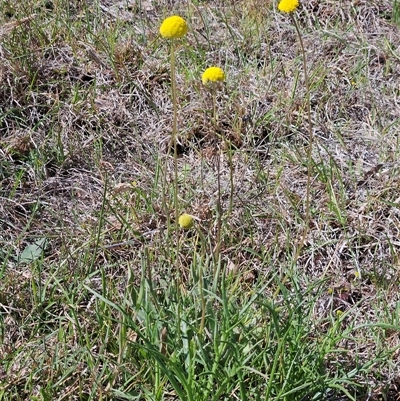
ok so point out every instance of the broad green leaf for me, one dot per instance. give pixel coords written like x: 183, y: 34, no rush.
x: 33, y: 251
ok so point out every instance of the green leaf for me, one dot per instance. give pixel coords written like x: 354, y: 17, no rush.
x: 33, y: 251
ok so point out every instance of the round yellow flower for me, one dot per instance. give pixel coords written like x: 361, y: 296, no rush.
x: 173, y: 27
x: 186, y: 221
x: 288, y: 6
x: 213, y: 74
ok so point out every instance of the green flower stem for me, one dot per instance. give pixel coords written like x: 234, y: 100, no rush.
x: 174, y: 140
x: 214, y: 100
x: 219, y: 206
x: 309, y: 154
x: 203, y: 243
x: 228, y: 145
x: 203, y: 301
x: 310, y: 140
x: 175, y: 146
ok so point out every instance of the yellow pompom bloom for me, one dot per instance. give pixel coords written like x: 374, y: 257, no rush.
x: 186, y: 221
x: 339, y: 313
x: 288, y: 6
x: 213, y: 74
x: 173, y: 27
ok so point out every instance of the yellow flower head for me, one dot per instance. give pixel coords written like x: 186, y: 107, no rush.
x: 186, y: 221
x: 213, y: 74
x: 288, y: 6
x: 173, y: 27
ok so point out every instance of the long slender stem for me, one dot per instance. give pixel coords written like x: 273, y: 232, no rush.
x: 174, y: 140
x: 214, y: 99
x: 203, y: 300
x: 230, y: 160
x: 309, y: 154
x: 310, y: 140
x: 219, y: 206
